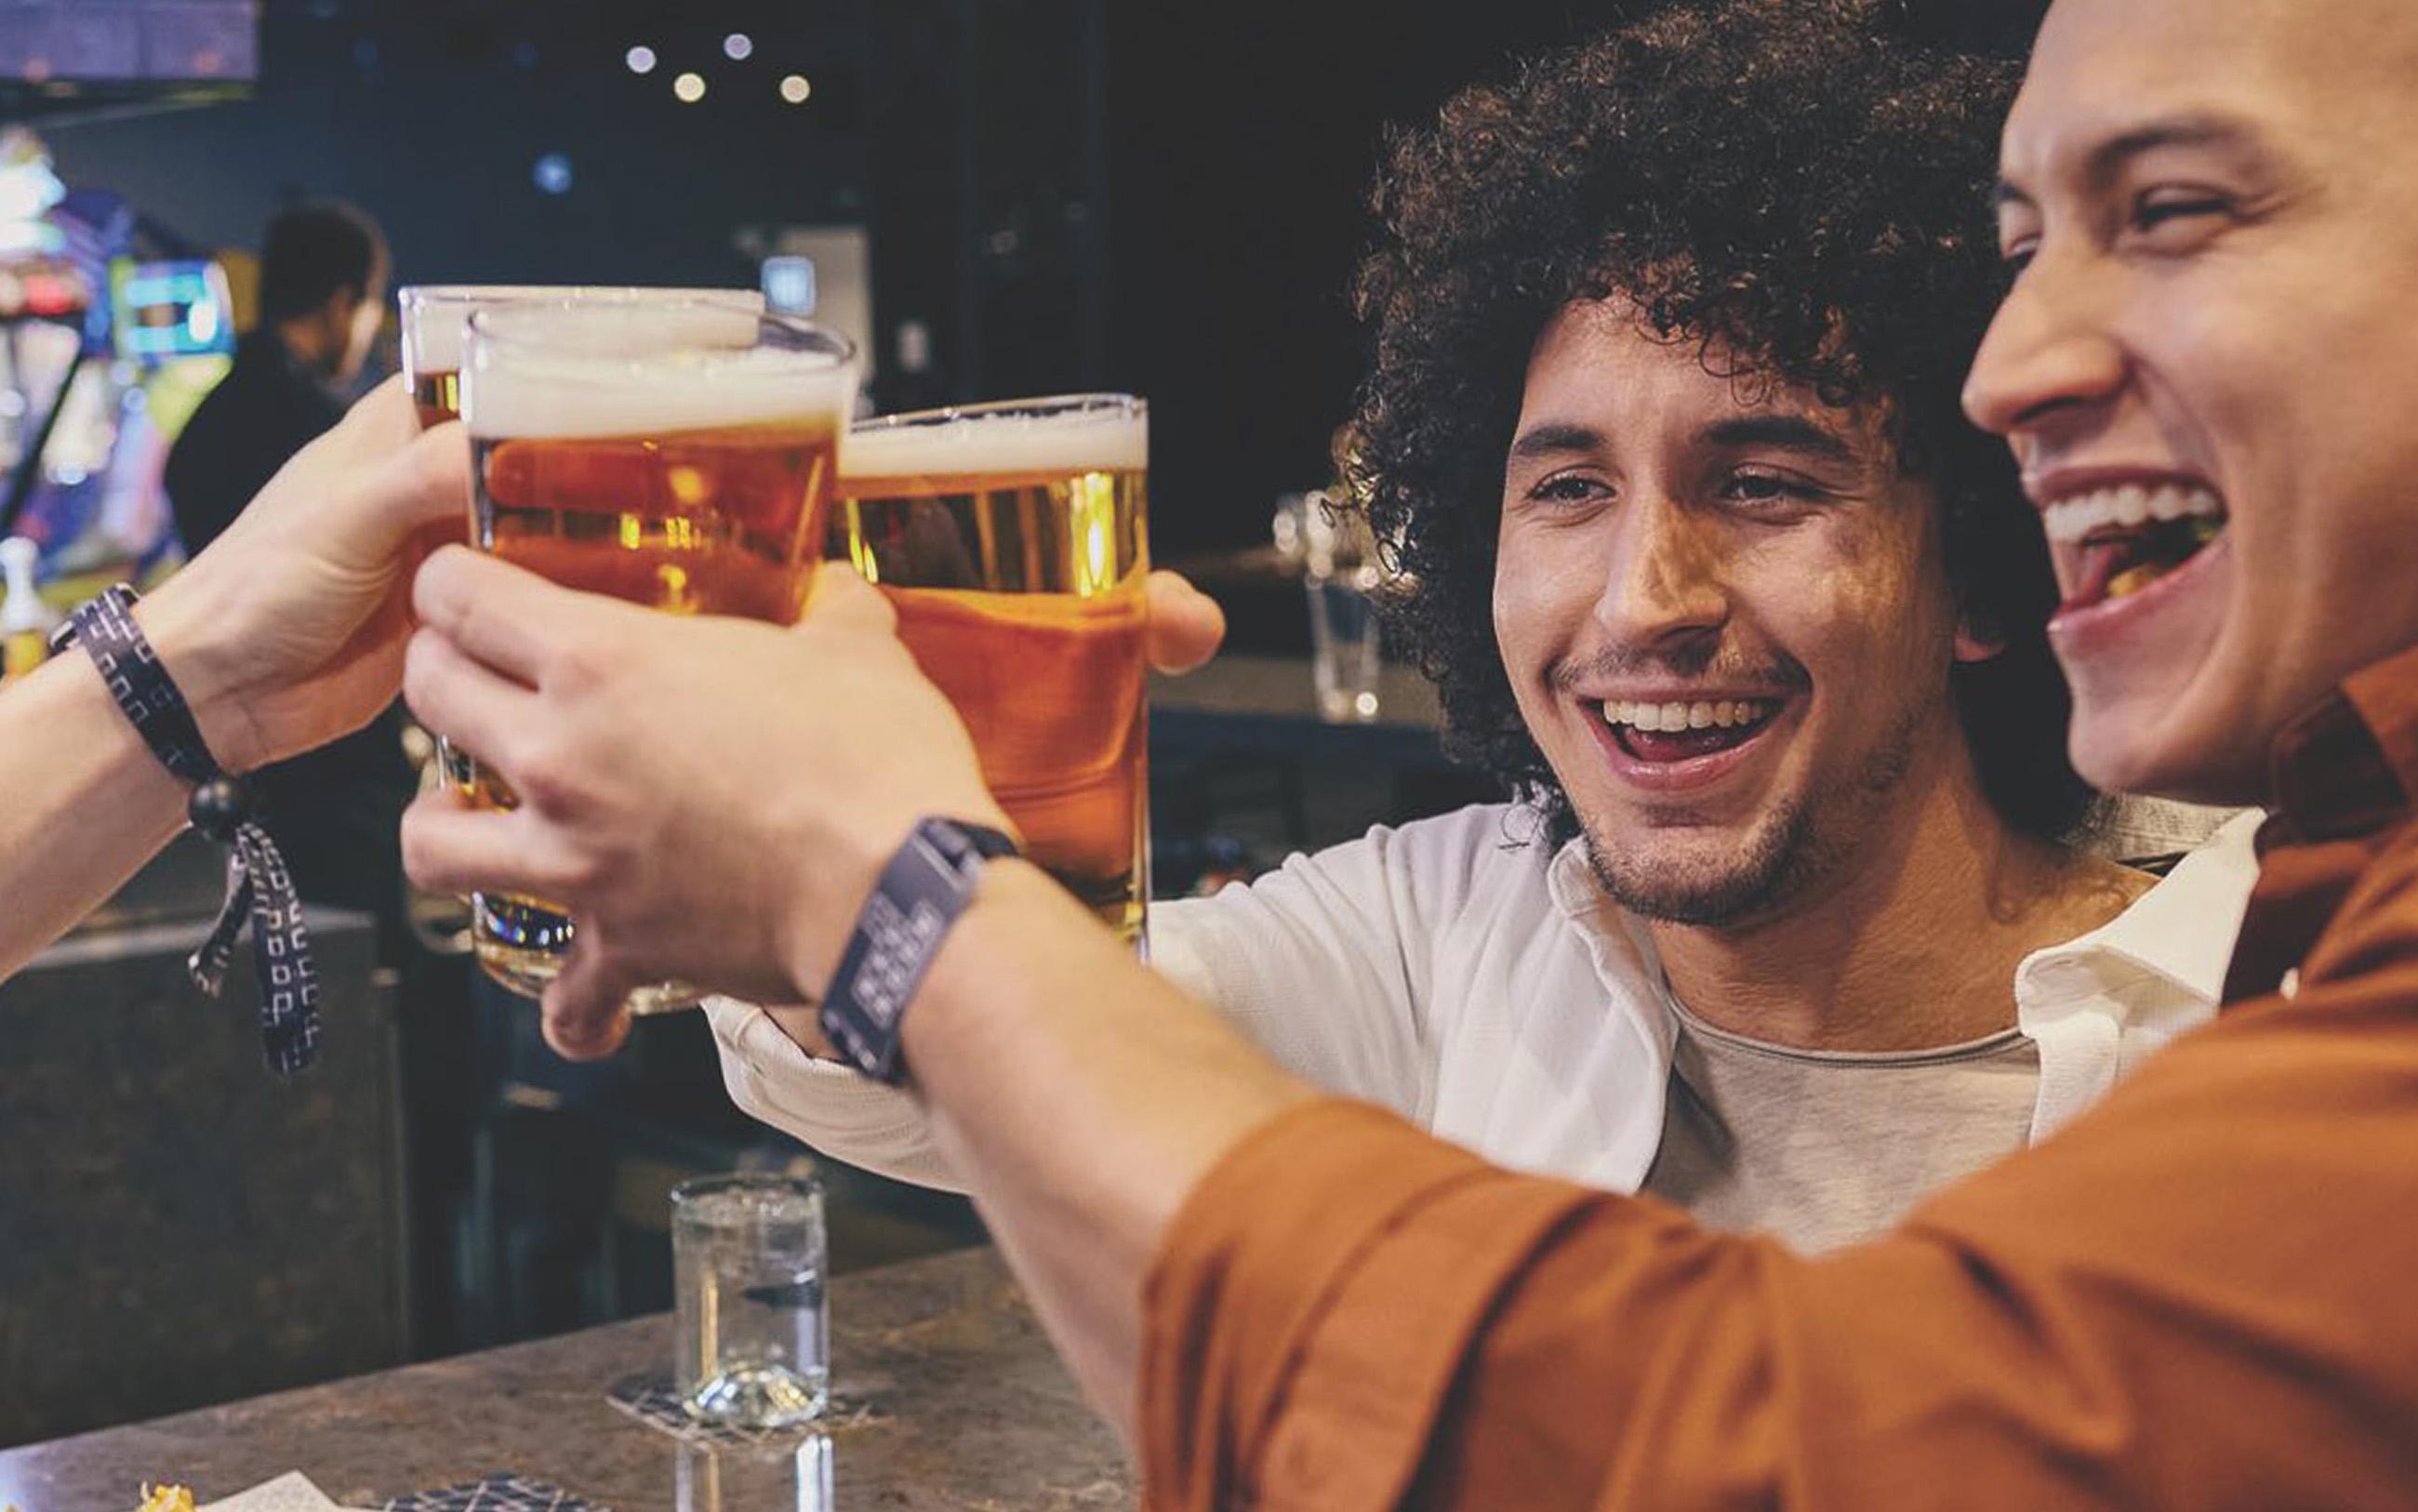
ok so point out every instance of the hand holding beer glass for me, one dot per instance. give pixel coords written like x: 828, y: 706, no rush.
x: 1011, y: 539
x: 678, y: 454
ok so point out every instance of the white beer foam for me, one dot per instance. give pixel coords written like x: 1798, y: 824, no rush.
x: 646, y: 372
x: 437, y: 315
x: 1070, y: 442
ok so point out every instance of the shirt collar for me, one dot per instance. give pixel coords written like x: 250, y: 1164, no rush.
x: 1617, y: 939
x: 2180, y: 931
x: 2347, y: 767
x: 2170, y: 932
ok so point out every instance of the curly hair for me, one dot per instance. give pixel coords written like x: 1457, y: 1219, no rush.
x: 1791, y: 184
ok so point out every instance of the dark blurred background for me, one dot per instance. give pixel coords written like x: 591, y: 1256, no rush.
x: 1057, y: 193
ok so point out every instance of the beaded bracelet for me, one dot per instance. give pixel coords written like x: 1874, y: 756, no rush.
x: 258, y: 885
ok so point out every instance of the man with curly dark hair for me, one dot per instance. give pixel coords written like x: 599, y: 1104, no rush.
x: 1663, y: 422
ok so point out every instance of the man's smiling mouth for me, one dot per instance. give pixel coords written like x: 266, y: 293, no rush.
x: 2121, y: 539
x: 1684, y: 730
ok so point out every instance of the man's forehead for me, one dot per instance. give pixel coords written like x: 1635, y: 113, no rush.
x: 2102, y: 68
x: 1600, y: 366
x: 1587, y: 336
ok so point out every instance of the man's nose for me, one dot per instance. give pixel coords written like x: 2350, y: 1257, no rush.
x: 2050, y: 353
x: 1667, y: 578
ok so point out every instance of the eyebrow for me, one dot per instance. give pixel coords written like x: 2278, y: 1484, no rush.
x: 2104, y: 161
x: 1557, y: 439
x: 1775, y: 432
x: 1781, y: 433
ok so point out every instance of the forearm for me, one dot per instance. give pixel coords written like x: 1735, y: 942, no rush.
x: 82, y: 804
x: 1082, y: 1097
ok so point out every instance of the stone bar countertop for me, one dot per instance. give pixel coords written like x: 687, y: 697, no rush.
x: 945, y: 1392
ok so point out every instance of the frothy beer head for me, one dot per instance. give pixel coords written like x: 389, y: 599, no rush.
x: 436, y: 315
x: 572, y: 369
x: 1075, y: 434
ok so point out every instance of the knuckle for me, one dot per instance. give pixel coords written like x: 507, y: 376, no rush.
x: 545, y: 772
x: 587, y: 875
x: 422, y: 857
x: 580, y: 667
x: 423, y: 661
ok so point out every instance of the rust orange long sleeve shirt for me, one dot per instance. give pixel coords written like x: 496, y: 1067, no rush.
x: 2204, y: 1294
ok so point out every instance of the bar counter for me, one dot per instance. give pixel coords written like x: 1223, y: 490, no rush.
x: 946, y: 1395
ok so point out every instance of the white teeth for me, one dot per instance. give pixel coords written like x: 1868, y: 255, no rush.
x: 1700, y: 716
x: 2070, y: 520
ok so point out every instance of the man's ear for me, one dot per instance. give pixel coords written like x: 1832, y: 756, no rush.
x: 1977, y: 639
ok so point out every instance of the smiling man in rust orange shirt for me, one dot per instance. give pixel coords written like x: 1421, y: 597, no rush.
x: 2196, y: 1296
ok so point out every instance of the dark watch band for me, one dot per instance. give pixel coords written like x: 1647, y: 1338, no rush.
x: 927, y: 883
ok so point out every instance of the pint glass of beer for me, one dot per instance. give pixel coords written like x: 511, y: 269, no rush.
x: 1011, y: 539
x: 678, y: 455
x: 435, y: 316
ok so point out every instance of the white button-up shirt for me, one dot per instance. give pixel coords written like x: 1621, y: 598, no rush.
x: 1496, y: 998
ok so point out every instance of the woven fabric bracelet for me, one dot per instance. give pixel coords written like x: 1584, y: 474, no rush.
x: 258, y: 886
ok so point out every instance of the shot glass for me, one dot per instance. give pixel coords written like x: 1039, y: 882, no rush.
x: 752, y: 1346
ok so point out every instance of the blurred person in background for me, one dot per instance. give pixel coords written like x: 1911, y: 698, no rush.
x: 323, y: 285
x: 334, y: 811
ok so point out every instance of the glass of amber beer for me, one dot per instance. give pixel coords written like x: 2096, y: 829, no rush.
x: 1011, y: 539
x: 437, y: 317
x: 678, y: 455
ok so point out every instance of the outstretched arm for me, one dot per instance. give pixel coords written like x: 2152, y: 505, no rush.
x: 285, y: 634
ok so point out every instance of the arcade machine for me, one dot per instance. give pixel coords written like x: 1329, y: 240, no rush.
x: 104, y: 354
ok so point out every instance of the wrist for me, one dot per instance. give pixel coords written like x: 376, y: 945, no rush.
x: 921, y: 896
x: 203, y: 654
x: 1019, y: 917
x: 814, y: 928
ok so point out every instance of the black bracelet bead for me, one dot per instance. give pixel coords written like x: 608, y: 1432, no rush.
x: 219, y: 807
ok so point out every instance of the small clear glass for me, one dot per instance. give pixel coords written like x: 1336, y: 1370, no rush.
x: 1339, y: 566
x: 1343, y: 645
x: 752, y: 1346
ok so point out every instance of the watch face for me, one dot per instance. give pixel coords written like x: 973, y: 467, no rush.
x: 920, y: 894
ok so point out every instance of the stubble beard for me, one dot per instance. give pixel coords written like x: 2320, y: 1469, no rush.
x: 1791, y: 852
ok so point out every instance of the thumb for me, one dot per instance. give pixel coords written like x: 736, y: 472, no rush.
x: 1186, y: 626
x: 843, y: 600
x: 505, y: 617
x: 585, y: 1011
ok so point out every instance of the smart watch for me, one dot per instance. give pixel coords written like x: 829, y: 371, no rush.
x: 927, y: 884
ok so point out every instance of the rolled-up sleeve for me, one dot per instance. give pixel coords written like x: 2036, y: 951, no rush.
x: 1393, y: 1246
x: 826, y: 1104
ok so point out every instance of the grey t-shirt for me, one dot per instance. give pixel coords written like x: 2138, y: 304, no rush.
x: 1823, y: 1147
